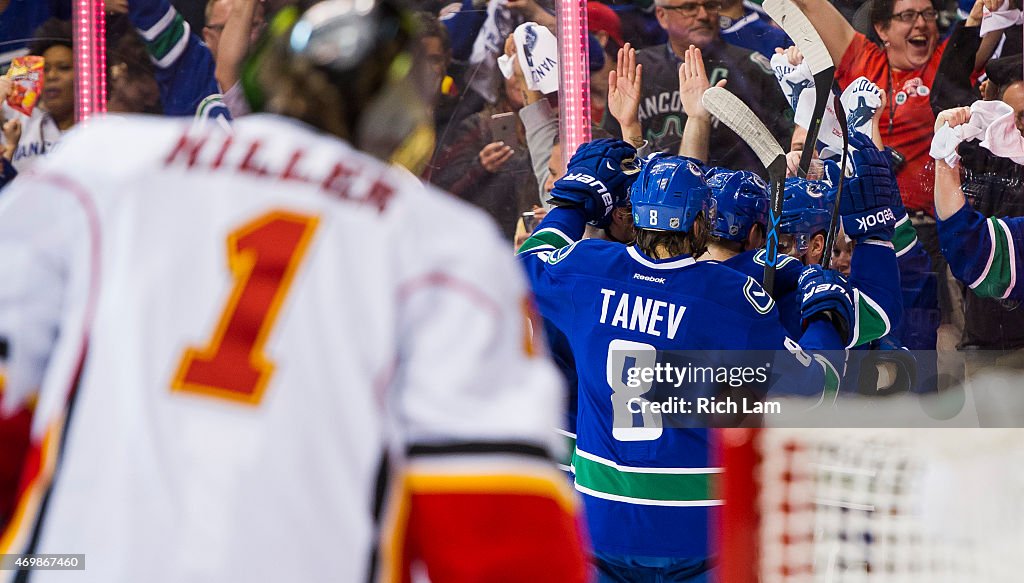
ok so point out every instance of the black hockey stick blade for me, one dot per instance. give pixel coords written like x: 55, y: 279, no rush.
x: 833, y: 226
x: 739, y: 118
x: 777, y: 186
x: 822, y: 91
x: 815, y: 53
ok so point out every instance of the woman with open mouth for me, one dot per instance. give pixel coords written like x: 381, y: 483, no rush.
x: 902, y: 61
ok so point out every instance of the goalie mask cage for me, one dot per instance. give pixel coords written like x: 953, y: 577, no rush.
x: 871, y: 505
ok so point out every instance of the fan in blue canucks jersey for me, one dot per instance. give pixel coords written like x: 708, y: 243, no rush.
x: 983, y: 253
x: 184, y: 66
x: 648, y: 488
x: 743, y: 24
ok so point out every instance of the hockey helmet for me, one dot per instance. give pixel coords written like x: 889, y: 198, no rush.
x: 365, y: 49
x: 741, y: 201
x: 806, y: 210
x: 668, y: 194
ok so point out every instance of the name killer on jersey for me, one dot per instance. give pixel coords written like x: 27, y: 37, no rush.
x: 341, y: 180
x: 640, y: 314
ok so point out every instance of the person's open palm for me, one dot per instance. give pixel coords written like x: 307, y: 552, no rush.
x: 624, y: 84
x: 693, y: 82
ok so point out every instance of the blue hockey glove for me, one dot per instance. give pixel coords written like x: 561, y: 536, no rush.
x: 869, y: 198
x: 599, y: 176
x: 826, y: 294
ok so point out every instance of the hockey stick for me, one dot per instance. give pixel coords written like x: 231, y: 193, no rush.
x: 833, y: 226
x: 734, y: 113
x: 796, y: 25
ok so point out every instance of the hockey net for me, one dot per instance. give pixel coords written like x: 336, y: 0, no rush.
x: 872, y: 505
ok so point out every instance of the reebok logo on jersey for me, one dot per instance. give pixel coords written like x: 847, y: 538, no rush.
x: 882, y: 217
x: 649, y: 278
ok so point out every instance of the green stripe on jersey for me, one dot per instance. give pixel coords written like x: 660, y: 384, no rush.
x: 871, y: 321
x: 570, y: 449
x: 604, y: 479
x: 904, y: 237
x: 544, y: 239
x: 167, y: 39
x: 997, y: 278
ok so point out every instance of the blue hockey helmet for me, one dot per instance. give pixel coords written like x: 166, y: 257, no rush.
x: 668, y: 194
x: 741, y: 201
x: 806, y: 210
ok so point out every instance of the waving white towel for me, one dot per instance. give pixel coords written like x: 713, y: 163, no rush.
x: 1003, y: 139
x: 861, y: 100
x: 983, y: 115
x: 1000, y: 19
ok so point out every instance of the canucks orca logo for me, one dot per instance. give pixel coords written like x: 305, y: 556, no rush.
x: 560, y: 254
x: 797, y: 89
x: 860, y: 114
x: 531, y: 43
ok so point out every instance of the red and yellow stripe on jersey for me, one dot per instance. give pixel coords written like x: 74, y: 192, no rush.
x: 449, y: 509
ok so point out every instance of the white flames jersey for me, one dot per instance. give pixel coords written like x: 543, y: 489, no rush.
x: 231, y: 331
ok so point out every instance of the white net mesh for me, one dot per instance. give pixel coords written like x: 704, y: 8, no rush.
x: 892, y: 505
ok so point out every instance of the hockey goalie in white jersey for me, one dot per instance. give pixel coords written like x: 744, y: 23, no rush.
x: 255, y: 358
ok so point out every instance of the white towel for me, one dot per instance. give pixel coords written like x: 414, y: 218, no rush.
x: 861, y: 100
x: 792, y: 80
x: 1003, y: 139
x: 983, y: 115
x: 1000, y: 19
x: 537, y: 49
x: 829, y: 132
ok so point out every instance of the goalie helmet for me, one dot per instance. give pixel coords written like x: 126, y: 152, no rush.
x: 669, y: 193
x: 806, y: 210
x: 346, y: 67
x: 741, y: 201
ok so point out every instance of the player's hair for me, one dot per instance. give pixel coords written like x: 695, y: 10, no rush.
x: 305, y: 92
x: 51, y: 33
x: 694, y: 243
x: 278, y: 79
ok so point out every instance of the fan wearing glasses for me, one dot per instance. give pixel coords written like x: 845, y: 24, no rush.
x: 903, y: 64
x: 748, y: 75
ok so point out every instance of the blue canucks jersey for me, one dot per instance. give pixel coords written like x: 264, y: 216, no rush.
x: 984, y: 253
x: 874, y: 275
x: 648, y: 487
x: 787, y: 274
x: 918, y: 329
x: 184, y: 66
x: 754, y: 32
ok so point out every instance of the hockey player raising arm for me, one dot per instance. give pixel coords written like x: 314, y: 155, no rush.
x: 259, y: 363
x: 983, y: 253
x: 648, y: 487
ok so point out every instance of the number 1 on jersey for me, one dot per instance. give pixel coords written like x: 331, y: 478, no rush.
x: 263, y: 256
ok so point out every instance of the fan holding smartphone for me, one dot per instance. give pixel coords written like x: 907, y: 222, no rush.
x: 503, y: 141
